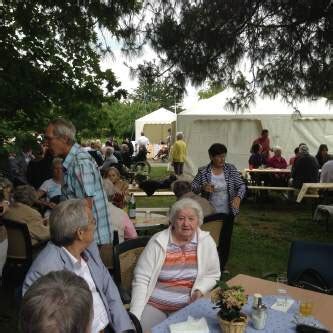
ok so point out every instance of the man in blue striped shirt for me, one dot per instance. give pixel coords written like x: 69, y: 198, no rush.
x: 82, y: 179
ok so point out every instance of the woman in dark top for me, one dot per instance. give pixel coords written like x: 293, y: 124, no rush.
x: 322, y: 155
x: 256, y: 159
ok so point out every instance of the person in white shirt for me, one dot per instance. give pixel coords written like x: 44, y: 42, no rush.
x: 143, y: 141
x: 51, y: 188
x: 326, y: 175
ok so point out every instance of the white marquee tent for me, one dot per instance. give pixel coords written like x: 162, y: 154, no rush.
x: 155, y: 125
x: 210, y: 121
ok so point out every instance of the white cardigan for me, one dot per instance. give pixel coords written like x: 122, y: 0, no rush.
x: 152, y: 259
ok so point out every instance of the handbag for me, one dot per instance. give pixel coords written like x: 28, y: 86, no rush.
x: 311, y: 279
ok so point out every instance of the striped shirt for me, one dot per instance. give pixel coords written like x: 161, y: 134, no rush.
x: 179, y: 271
x: 83, y: 180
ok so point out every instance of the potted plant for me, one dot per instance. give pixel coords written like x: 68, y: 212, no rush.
x: 230, y: 301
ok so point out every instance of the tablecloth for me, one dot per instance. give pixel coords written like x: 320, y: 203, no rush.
x: 277, y: 321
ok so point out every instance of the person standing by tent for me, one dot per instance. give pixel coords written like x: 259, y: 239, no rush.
x: 143, y: 141
x: 178, y: 154
x: 264, y: 141
x: 222, y: 185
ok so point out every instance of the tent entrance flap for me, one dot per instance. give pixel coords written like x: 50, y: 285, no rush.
x: 156, y: 132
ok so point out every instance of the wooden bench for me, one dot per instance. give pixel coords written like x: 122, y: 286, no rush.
x: 156, y: 194
x: 272, y: 188
x: 153, y: 210
x: 308, y: 188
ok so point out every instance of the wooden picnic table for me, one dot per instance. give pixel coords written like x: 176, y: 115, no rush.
x: 313, y: 188
x: 267, y: 170
x: 146, y: 219
x: 323, y: 304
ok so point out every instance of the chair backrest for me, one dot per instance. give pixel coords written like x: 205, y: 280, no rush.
x: 214, y: 228
x: 19, y: 241
x: 214, y: 224
x: 126, y: 256
x: 310, y: 259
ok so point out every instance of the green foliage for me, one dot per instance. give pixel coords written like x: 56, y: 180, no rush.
x: 286, y: 45
x: 50, y: 59
x: 213, y: 89
x: 164, y: 90
x: 121, y: 116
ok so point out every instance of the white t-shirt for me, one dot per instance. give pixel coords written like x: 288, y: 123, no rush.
x: 143, y: 141
x: 220, y: 197
x: 100, y: 320
x: 51, y: 188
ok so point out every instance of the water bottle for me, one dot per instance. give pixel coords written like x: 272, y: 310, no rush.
x: 132, y: 207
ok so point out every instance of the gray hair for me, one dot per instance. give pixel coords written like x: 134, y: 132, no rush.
x: 65, y: 219
x: 109, y: 188
x: 179, y: 136
x: 181, y: 187
x: 51, y: 304
x: 277, y: 148
x: 25, y: 194
x: 303, y: 149
x: 182, y: 204
x: 56, y: 161
x: 64, y: 128
x: 109, y: 151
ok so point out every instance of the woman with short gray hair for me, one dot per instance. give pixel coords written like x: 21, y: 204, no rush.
x: 176, y: 258
x: 183, y: 204
x: 22, y: 211
x: 72, y: 248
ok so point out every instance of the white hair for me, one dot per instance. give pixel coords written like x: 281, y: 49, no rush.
x: 182, y: 204
x: 64, y: 128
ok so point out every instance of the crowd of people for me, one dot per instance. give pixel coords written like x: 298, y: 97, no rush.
x: 78, y: 202
x: 305, y: 168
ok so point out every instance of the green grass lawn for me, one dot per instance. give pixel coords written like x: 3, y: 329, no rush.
x: 261, y: 239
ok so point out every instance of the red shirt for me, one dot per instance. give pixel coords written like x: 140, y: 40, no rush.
x: 277, y: 162
x: 265, y: 144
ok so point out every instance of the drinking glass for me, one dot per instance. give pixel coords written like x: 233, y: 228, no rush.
x: 282, y: 296
x: 147, y: 216
x: 306, y: 307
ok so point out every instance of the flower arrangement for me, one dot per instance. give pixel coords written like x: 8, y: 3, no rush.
x: 230, y: 301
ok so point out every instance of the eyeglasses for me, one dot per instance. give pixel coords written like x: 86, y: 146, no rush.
x: 50, y: 138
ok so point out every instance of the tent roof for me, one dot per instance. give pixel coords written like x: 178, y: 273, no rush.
x: 160, y: 116
x: 216, y: 105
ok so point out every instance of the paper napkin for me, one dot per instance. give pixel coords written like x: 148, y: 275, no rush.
x: 191, y: 325
x: 283, y: 308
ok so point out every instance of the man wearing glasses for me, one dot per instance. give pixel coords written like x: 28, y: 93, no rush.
x: 82, y: 179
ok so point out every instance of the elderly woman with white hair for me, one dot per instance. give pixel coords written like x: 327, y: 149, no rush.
x: 72, y: 248
x: 278, y: 162
x: 178, y: 266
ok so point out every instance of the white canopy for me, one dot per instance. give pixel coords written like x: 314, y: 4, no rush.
x: 210, y: 121
x: 155, y: 125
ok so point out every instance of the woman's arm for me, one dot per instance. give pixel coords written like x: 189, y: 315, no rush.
x: 197, y: 183
x: 143, y: 274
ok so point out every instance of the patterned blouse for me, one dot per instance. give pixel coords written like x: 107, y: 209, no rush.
x: 235, y: 184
